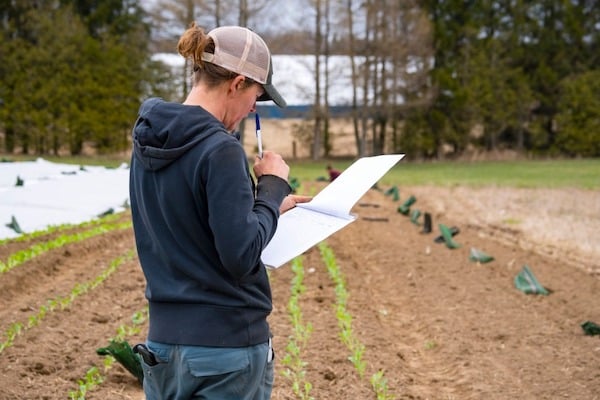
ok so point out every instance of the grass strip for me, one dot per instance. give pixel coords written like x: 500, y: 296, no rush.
x: 62, y: 302
x: 558, y: 173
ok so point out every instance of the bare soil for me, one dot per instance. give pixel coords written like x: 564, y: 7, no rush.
x: 438, y: 325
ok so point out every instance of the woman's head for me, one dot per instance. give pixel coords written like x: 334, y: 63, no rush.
x: 227, y: 52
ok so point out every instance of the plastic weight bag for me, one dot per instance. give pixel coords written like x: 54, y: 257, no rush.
x: 123, y: 353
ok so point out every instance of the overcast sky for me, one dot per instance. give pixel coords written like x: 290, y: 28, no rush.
x: 277, y: 15
x: 286, y: 14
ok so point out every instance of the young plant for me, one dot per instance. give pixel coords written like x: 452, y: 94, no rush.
x: 379, y: 385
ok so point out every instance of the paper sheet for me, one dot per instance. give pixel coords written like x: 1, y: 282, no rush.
x: 329, y: 211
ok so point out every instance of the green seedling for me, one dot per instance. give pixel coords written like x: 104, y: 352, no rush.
x: 295, y: 367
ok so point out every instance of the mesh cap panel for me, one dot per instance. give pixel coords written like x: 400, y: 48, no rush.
x: 242, y: 51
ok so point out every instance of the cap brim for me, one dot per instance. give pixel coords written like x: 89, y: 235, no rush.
x: 272, y: 94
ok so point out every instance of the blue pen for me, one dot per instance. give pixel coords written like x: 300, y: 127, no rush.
x: 258, y: 136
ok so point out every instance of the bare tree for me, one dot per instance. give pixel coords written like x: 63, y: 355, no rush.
x: 171, y: 18
x: 397, y: 53
x: 366, y: 70
x: 316, y: 148
x: 352, y: 54
x: 327, y: 53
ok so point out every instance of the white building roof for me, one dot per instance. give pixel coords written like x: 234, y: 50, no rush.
x: 294, y: 77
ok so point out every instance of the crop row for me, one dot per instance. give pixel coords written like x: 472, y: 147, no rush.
x: 295, y: 370
x: 22, y: 256
x: 61, y: 302
x: 61, y: 228
x: 295, y: 366
x: 344, y: 318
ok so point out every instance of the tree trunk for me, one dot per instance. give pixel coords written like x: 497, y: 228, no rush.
x: 316, y: 149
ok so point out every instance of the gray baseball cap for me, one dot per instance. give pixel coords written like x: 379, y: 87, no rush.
x: 242, y: 51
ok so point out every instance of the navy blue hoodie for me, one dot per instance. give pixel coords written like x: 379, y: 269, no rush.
x: 200, y: 226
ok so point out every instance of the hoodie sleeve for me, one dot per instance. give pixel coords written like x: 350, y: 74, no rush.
x: 242, y: 225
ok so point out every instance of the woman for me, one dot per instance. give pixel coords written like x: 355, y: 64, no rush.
x: 201, y: 223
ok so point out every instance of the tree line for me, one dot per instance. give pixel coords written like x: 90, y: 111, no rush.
x: 431, y: 78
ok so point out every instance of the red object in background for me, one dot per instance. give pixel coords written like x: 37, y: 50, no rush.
x: 333, y: 173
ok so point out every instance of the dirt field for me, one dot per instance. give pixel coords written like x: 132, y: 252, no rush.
x: 438, y: 325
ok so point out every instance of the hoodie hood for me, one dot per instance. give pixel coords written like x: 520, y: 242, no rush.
x: 165, y: 131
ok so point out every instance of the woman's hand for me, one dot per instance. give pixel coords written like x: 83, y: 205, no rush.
x: 271, y: 164
x: 291, y: 200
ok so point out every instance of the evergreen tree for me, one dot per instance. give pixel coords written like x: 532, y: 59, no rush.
x: 578, y: 119
x: 505, y: 66
x: 64, y: 87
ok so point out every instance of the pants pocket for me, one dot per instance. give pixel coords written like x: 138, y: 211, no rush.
x: 217, y: 362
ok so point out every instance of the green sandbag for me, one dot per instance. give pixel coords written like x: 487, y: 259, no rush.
x: 394, y: 192
x: 106, y: 213
x: 479, y: 256
x: 14, y: 225
x: 294, y: 184
x: 426, y: 223
x: 447, y: 235
x: 123, y: 353
x: 526, y: 282
x: 414, y: 217
x: 405, y: 208
x: 590, y: 328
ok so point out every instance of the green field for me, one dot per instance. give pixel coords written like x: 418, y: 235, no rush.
x: 583, y: 174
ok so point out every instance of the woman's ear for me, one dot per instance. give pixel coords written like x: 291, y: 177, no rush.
x: 238, y: 83
x: 235, y: 86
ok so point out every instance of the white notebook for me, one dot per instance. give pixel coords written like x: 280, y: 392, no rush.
x: 329, y: 211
